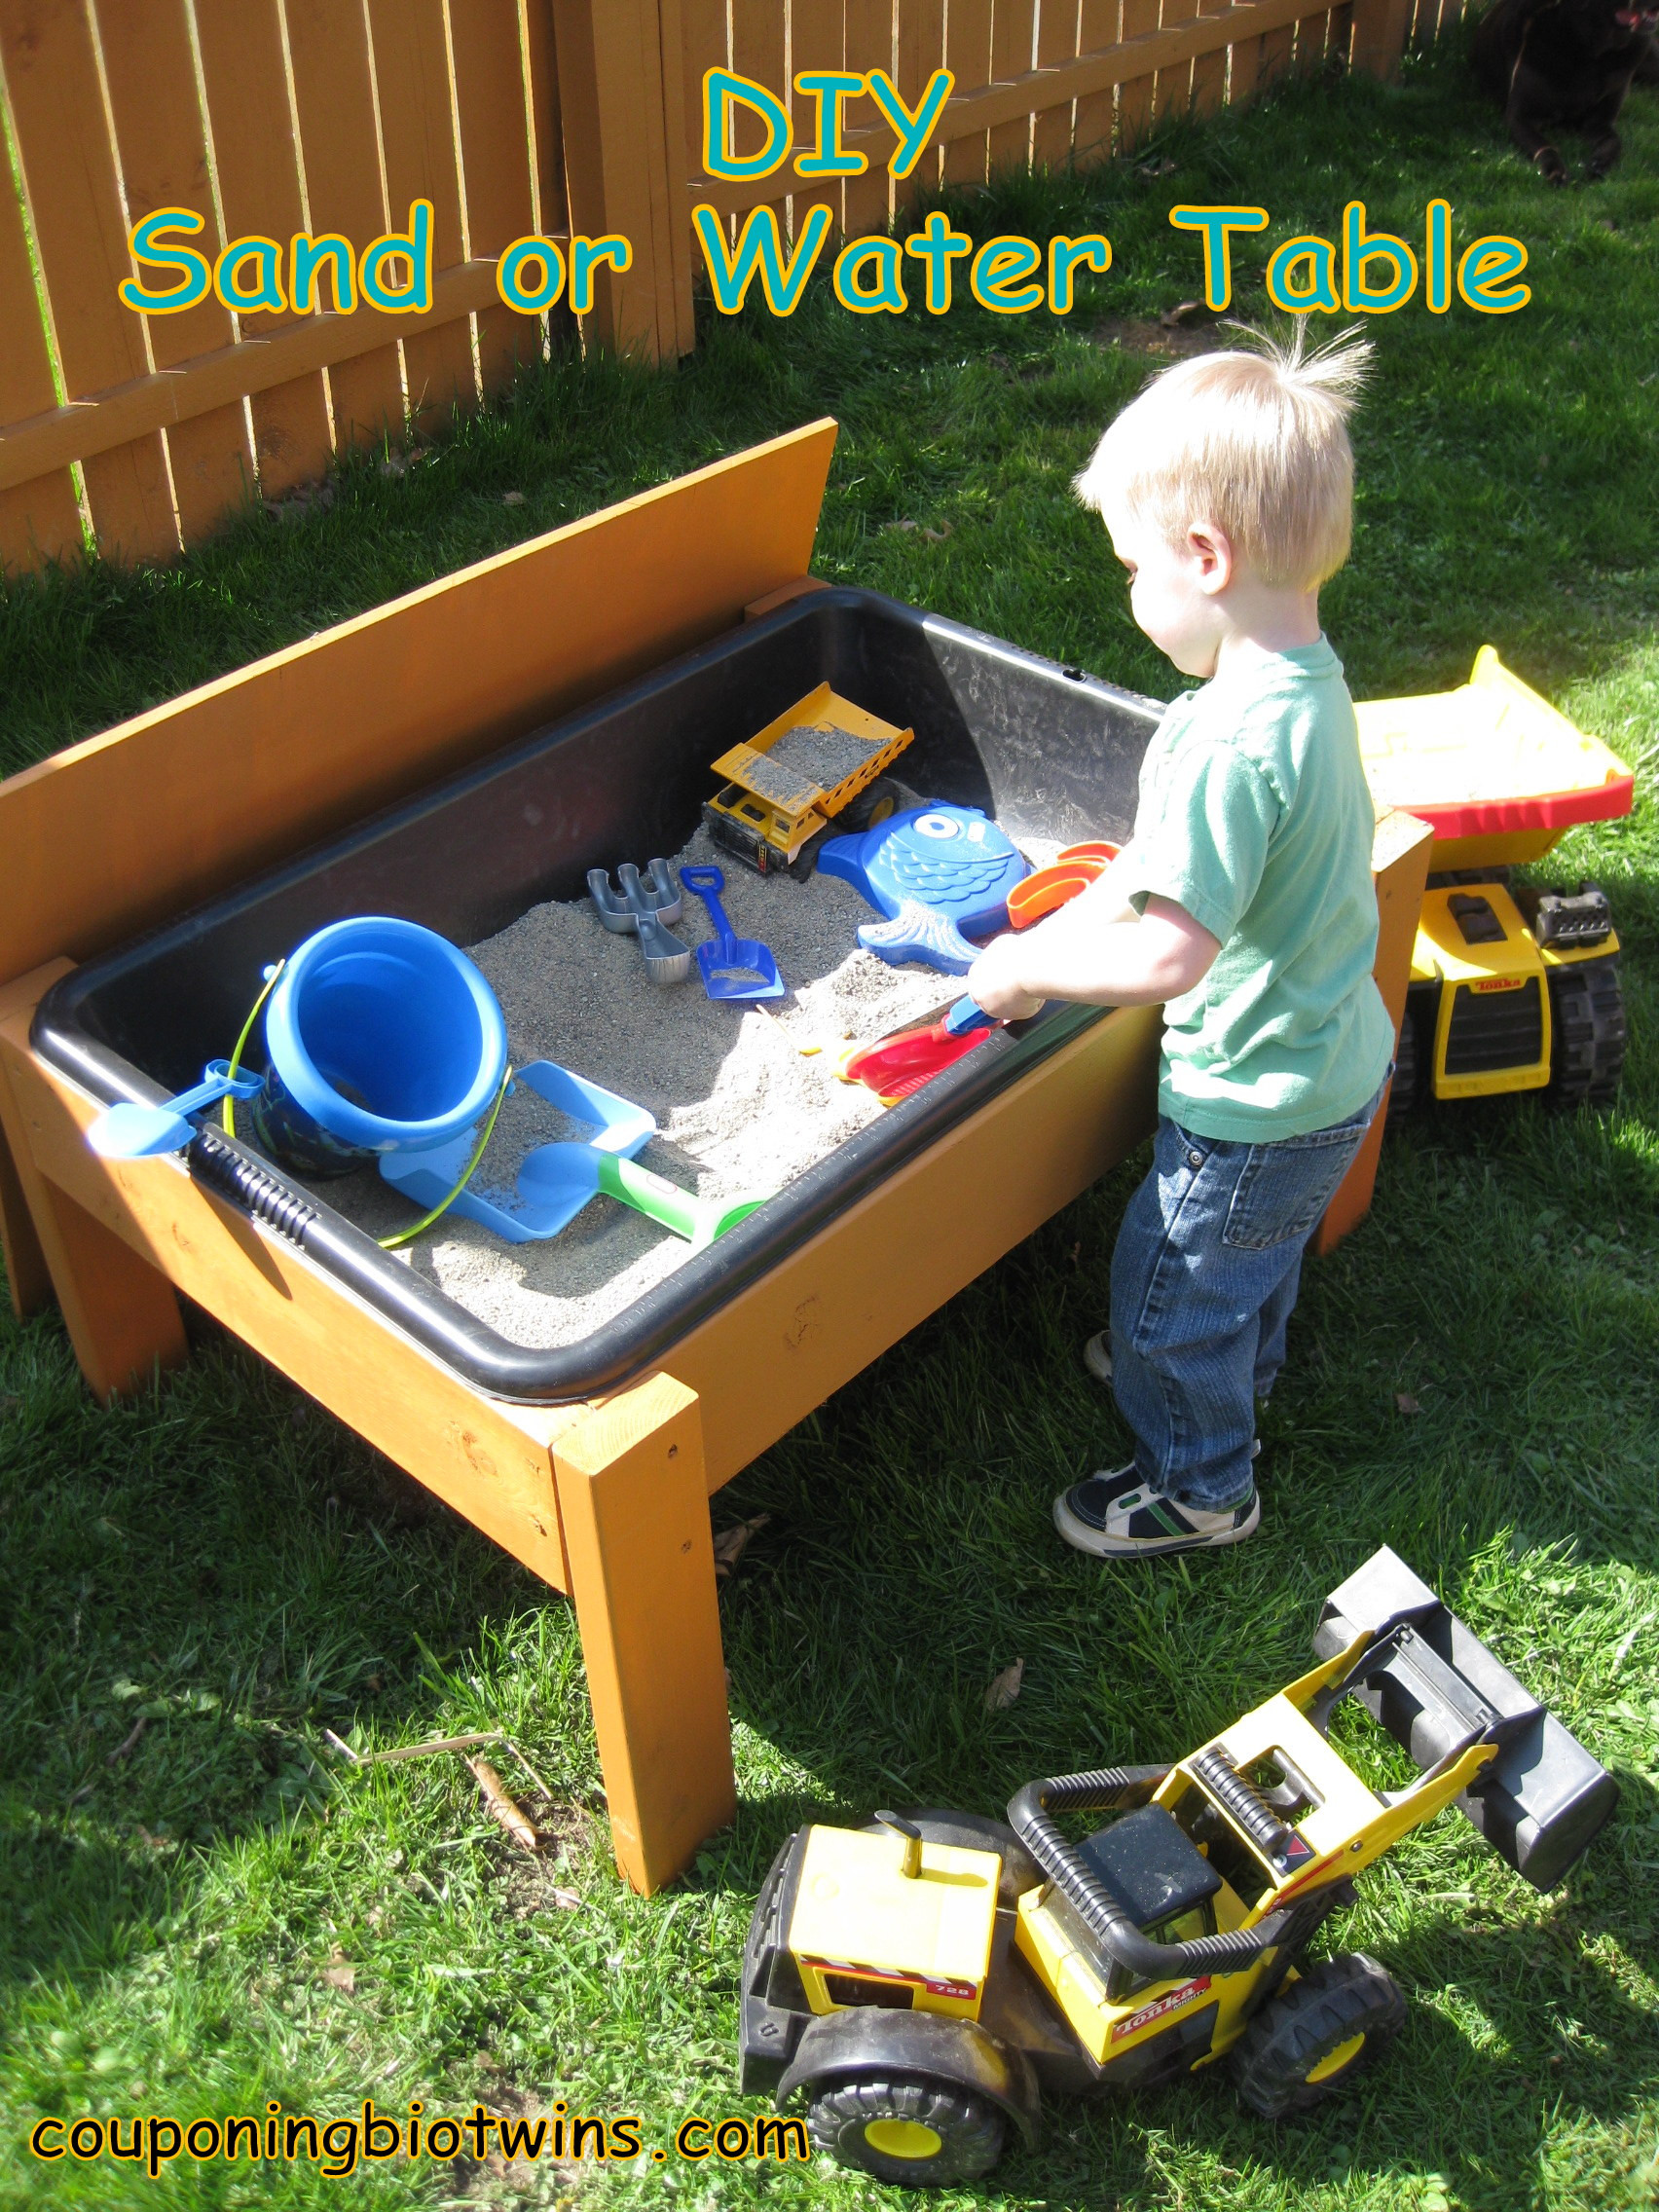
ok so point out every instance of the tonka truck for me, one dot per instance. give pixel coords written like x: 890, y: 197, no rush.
x: 922, y: 1982
x: 819, y: 764
x: 1512, y: 989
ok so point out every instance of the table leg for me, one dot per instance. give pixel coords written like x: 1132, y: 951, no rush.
x: 27, y: 1276
x: 634, y: 1503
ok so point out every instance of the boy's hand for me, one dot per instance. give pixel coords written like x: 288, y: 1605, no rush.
x: 992, y: 983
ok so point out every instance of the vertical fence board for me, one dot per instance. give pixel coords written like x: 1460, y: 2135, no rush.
x: 1278, y: 48
x: 418, y: 139
x: 547, y: 166
x: 921, y: 51
x: 164, y: 164
x: 968, y: 56
x: 1243, y: 67
x: 328, y: 50
x: 1056, y: 42
x: 1099, y: 24
x: 1014, y: 25
x: 69, y: 167
x: 39, y: 521
x: 869, y: 45
x: 760, y: 53
x: 259, y: 191
x: 1136, y: 110
x: 1172, y: 92
x: 680, y: 327
x: 661, y: 138
x: 818, y: 40
x: 1209, y: 70
x: 1311, y: 32
x: 495, y: 171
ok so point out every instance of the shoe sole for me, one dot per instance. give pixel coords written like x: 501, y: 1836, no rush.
x: 1082, y: 1538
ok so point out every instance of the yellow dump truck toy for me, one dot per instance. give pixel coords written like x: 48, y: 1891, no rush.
x: 1512, y: 989
x: 923, y: 1981
x: 821, y: 763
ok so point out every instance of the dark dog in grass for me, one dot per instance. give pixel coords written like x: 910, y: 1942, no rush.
x: 1566, y: 64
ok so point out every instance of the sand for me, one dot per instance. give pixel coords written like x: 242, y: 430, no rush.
x: 741, y: 1110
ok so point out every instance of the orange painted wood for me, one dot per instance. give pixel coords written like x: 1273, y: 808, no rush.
x: 39, y: 521
x: 253, y: 137
x: 885, y: 1264
x: 818, y: 40
x: 1209, y: 70
x: 126, y: 828
x: 163, y: 150
x: 1277, y: 51
x: 1244, y: 70
x: 328, y: 53
x: 611, y: 104
x: 1056, y: 42
x: 968, y: 56
x: 69, y: 167
x: 1172, y: 93
x: 1399, y: 864
x: 256, y: 365
x: 1100, y: 23
x: 418, y: 136
x: 120, y: 1311
x: 552, y: 202
x: 769, y: 602
x: 1380, y: 28
x: 676, y: 309
x: 495, y: 171
x: 144, y: 1225
x: 1014, y: 29
x: 759, y: 51
x: 1135, y: 108
x: 28, y: 1278
x: 1311, y: 33
x: 869, y: 45
x: 633, y: 1500
x: 921, y: 51
x: 1339, y: 46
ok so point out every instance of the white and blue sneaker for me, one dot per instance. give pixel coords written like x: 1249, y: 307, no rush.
x: 1118, y: 1514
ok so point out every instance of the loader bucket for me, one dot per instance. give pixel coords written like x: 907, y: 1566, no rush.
x: 1436, y: 1689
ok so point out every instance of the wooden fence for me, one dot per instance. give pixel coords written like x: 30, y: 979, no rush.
x: 138, y: 434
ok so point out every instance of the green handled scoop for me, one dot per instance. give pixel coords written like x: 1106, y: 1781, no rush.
x: 557, y: 1180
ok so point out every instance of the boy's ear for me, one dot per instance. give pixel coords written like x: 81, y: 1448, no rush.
x: 1211, y: 551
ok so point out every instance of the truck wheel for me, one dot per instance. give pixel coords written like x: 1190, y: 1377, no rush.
x: 1317, y: 2034
x: 923, y: 2133
x: 1404, y: 1090
x: 1587, y: 1023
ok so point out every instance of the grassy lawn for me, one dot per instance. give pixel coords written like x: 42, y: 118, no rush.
x: 212, y: 1911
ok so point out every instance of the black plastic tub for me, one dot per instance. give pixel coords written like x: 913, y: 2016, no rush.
x: 1049, y: 751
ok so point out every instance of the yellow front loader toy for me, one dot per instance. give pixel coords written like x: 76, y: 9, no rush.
x: 922, y: 1981
x: 1512, y: 989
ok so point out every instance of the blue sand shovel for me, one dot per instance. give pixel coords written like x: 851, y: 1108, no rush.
x: 130, y: 1131
x: 733, y: 966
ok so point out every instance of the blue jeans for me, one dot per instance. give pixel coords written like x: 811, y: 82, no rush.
x: 1204, y: 1275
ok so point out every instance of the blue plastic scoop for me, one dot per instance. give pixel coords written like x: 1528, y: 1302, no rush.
x: 130, y: 1131
x: 733, y: 966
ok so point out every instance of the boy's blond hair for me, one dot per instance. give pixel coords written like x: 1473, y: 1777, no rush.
x: 1255, y: 442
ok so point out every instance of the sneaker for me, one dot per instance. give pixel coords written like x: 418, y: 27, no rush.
x: 1118, y: 1514
x: 1097, y: 1356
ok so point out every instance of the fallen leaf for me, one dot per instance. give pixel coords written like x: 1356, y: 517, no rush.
x: 421, y: 1750
x: 503, y: 1807
x: 1172, y: 317
x: 512, y: 498
x: 1005, y: 1687
x: 904, y: 524
x: 939, y: 537
x: 565, y: 1899
x: 1405, y: 1403
x: 344, y: 1978
x: 730, y: 1543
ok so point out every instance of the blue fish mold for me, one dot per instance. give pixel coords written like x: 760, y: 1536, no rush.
x: 940, y: 874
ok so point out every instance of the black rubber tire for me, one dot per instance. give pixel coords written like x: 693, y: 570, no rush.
x: 1587, y: 1031
x: 1405, y: 1092
x: 970, y: 2129
x: 873, y: 805
x: 975, y: 1831
x: 1335, y: 2001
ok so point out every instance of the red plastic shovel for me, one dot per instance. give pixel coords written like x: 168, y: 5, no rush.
x: 899, y: 1065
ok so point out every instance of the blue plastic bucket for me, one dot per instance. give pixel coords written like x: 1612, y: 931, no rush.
x: 381, y: 1036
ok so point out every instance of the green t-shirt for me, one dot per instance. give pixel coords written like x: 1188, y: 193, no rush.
x: 1255, y: 816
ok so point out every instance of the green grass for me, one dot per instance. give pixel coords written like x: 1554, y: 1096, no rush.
x: 224, y: 1561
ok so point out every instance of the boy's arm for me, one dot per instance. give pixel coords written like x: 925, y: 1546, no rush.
x: 1095, y: 951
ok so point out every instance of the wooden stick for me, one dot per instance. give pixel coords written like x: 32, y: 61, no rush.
x: 503, y: 1807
